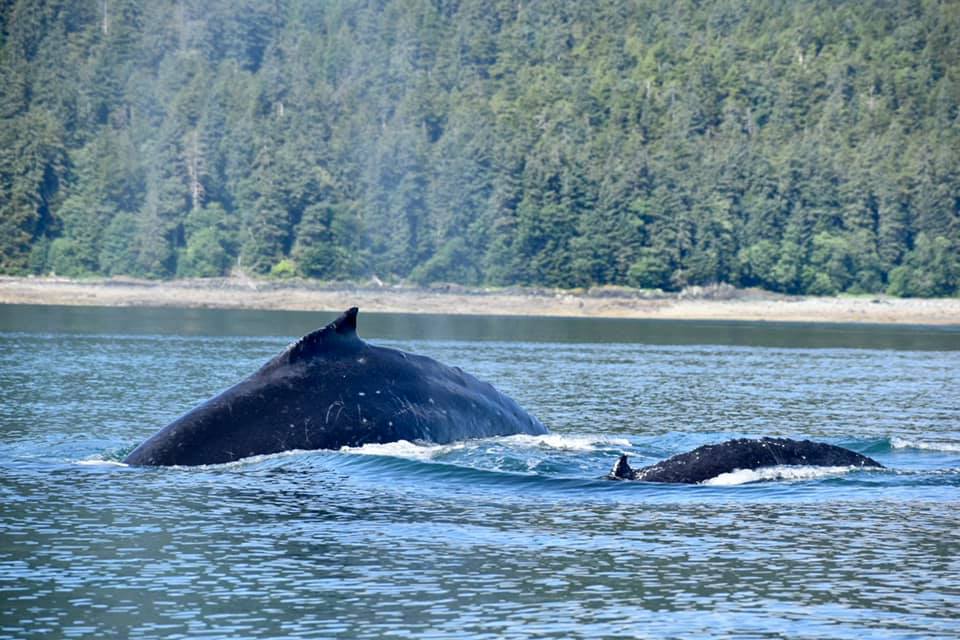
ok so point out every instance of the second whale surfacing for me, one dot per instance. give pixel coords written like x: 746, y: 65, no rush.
x: 331, y: 389
x: 712, y: 460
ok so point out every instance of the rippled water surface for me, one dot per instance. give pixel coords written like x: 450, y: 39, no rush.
x: 511, y: 537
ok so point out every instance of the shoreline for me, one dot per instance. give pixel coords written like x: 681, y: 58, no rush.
x: 710, y: 303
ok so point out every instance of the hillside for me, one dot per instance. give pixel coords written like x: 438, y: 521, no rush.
x: 802, y: 147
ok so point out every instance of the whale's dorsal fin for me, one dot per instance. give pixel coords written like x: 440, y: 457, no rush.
x: 621, y: 470
x: 345, y: 325
x: 342, y: 331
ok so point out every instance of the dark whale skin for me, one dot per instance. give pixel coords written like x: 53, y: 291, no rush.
x: 709, y: 461
x: 329, y: 390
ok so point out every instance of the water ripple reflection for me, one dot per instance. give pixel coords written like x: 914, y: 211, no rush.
x: 504, y: 538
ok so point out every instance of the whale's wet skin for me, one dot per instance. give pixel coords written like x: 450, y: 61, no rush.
x: 511, y: 536
x: 713, y: 461
x: 328, y: 390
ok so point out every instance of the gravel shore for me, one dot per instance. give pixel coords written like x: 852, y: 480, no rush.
x: 711, y: 303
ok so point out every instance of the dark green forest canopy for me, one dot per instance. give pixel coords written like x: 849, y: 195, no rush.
x: 804, y: 147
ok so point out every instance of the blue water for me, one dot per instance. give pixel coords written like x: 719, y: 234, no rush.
x: 511, y: 537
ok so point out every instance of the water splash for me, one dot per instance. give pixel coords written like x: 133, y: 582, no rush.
x: 567, y: 442
x: 406, y: 449
x: 782, y: 472
x: 100, y: 462
x: 926, y: 445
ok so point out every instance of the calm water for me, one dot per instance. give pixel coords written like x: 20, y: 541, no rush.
x: 513, y: 537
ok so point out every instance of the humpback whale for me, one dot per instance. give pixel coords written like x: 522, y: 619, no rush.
x: 331, y: 389
x: 709, y: 461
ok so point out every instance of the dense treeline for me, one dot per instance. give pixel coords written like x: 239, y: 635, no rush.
x: 797, y: 146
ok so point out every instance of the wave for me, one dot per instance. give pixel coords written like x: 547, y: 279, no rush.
x: 782, y: 472
x: 405, y: 449
x: 926, y: 445
x: 581, y: 457
x: 428, y: 451
x: 567, y: 442
x: 100, y: 462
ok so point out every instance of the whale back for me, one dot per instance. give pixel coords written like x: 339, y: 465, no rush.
x: 329, y: 390
x: 712, y: 460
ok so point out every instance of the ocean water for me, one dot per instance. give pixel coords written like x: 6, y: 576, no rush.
x: 516, y: 537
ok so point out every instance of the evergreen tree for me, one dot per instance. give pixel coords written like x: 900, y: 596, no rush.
x: 806, y: 148
x: 33, y: 163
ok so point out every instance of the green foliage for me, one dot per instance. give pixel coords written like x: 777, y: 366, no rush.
x: 931, y: 269
x: 901, y: 282
x: 118, y: 251
x: 205, y: 256
x: 32, y: 166
x: 757, y: 263
x: 39, y: 256
x: 283, y: 269
x: 210, y: 235
x: 76, y: 252
x: 806, y: 147
x: 650, y: 271
x: 450, y: 264
x: 832, y: 265
x: 65, y: 258
x: 328, y: 242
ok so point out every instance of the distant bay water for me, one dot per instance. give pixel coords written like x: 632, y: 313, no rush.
x: 505, y: 538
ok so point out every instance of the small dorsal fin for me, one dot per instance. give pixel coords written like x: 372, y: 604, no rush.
x: 621, y: 470
x: 343, y: 330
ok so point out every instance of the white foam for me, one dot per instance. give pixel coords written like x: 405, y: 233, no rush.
x: 404, y: 449
x: 567, y: 443
x: 424, y: 451
x: 782, y: 472
x: 933, y: 445
x: 100, y: 462
x: 257, y: 459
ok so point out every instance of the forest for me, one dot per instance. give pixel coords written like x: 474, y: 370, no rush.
x: 805, y: 147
